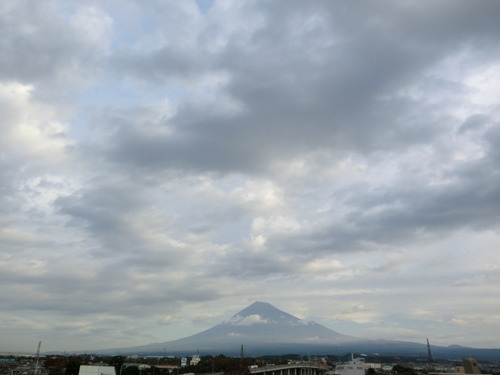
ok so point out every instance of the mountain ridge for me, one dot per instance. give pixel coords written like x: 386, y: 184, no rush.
x: 264, y: 329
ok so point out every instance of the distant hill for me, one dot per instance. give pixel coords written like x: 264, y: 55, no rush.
x: 263, y: 330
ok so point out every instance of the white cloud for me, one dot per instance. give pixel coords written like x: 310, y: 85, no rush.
x: 359, y: 314
x: 16, y: 322
x: 95, y: 24
x: 31, y: 130
x: 248, y: 320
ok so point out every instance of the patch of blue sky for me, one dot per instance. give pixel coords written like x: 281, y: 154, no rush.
x: 130, y: 29
x: 204, y: 5
x: 135, y: 31
x: 77, y: 129
x: 109, y: 94
x: 64, y: 11
x: 208, y: 89
x: 116, y: 95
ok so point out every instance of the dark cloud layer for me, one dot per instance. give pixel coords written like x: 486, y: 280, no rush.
x: 339, y: 95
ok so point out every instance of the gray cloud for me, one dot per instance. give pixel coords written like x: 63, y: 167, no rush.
x: 327, y: 95
x: 157, y: 161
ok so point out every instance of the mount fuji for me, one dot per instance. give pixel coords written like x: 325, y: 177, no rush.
x: 262, y: 323
x: 264, y: 330
x: 261, y: 328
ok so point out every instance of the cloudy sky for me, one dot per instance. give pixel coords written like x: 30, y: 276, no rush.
x: 163, y: 164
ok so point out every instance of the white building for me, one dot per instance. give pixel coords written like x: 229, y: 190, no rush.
x: 97, y: 370
x: 195, y: 360
x: 354, y: 367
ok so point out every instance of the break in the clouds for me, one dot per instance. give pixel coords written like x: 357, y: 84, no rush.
x: 165, y: 164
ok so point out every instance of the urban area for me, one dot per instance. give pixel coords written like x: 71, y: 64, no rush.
x: 350, y: 364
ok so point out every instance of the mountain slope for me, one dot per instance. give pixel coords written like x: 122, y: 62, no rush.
x: 261, y: 328
x: 264, y: 329
x: 264, y: 323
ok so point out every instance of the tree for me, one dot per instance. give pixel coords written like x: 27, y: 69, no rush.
x: 56, y: 365
x: 398, y: 369
x: 73, y: 366
x: 131, y: 370
x: 117, y: 361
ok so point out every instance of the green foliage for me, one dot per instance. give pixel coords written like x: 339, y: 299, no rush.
x: 73, y: 366
x: 56, y: 365
x: 132, y: 370
x: 117, y: 362
x: 398, y: 369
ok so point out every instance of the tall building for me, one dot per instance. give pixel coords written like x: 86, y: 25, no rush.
x: 471, y: 366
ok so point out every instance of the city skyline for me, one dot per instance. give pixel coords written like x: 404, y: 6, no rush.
x: 165, y: 164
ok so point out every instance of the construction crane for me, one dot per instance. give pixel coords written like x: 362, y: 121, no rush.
x: 429, y: 355
x: 37, y: 369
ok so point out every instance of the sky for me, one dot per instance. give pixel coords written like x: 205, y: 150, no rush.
x: 164, y: 164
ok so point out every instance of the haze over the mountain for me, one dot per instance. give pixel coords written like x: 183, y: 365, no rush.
x: 262, y: 322
x: 260, y: 326
x: 264, y: 329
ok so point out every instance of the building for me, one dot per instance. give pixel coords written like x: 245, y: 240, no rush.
x: 195, y: 360
x: 354, y: 367
x: 97, y: 370
x: 471, y: 366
